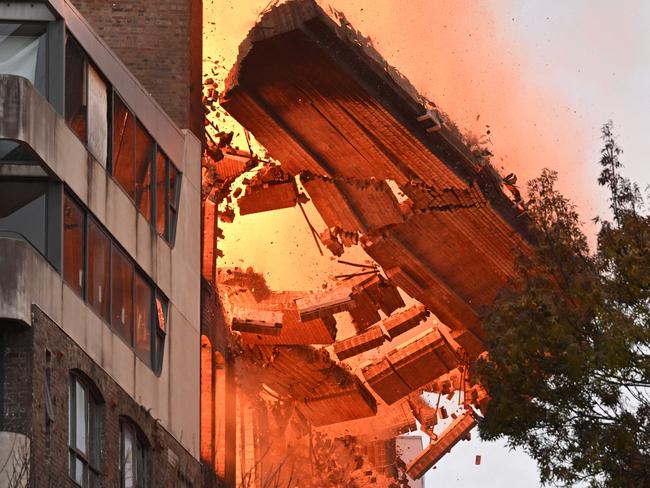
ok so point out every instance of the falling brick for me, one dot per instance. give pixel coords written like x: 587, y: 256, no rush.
x: 268, y: 196
x: 411, y: 366
x: 257, y: 321
x: 325, y: 303
x: 404, y: 321
x: 357, y: 344
x: 455, y: 432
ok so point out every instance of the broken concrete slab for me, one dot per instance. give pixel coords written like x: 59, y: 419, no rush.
x: 257, y: 321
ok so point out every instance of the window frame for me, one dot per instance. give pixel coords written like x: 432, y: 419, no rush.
x: 84, y: 244
x: 143, y: 447
x: 46, y: 38
x: 91, y: 460
x: 85, y: 59
x: 158, y: 334
x: 50, y: 214
x: 171, y: 208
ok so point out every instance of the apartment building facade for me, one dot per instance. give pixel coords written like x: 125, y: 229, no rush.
x: 99, y: 261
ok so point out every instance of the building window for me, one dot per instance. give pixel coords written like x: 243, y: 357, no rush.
x: 23, y: 52
x: 76, y: 88
x: 174, y: 193
x: 73, y: 245
x: 160, y: 331
x: 113, y: 286
x: 23, y: 211
x: 123, y: 146
x: 153, y: 183
x: 16, y: 153
x: 99, y: 249
x: 97, y: 96
x: 162, y: 171
x: 86, y: 100
x: 122, y: 295
x: 83, y: 433
x: 143, y: 168
x: 143, y: 303
x: 133, y: 456
x: 168, y: 181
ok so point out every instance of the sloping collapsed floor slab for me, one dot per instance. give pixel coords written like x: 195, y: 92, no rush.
x: 349, y: 127
x: 333, y: 115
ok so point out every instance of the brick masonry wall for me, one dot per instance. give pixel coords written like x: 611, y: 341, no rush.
x: 161, y: 43
x: 32, y: 355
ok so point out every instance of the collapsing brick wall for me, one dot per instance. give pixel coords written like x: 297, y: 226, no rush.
x: 411, y: 366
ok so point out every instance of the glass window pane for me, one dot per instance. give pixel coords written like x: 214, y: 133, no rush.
x: 98, y: 269
x: 161, y: 194
x: 128, y: 461
x: 75, y: 88
x: 97, y: 116
x: 161, y: 311
x: 123, y: 146
x: 81, y: 421
x: 23, y: 52
x: 159, y: 338
x: 73, y: 244
x: 79, y: 471
x: 122, y: 295
x: 16, y: 153
x: 23, y: 211
x: 143, y: 161
x: 174, y: 180
x: 142, y: 312
x: 139, y: 449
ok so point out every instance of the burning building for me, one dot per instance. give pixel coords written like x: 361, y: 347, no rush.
x: 132, y: 354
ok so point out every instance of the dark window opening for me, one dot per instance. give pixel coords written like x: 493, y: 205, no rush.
x: 73, y: 245
x: 76, y: 114
x: 23, y: 52
x: 174, y: 187
x: 12, y: 152
x: 23, y: 211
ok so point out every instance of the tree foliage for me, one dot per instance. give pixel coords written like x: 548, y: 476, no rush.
x: 568, y: 367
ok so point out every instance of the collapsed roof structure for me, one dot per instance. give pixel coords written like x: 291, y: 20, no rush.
x: 385, y: 171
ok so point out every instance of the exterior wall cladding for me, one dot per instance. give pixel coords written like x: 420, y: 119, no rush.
x: 160, y: 42
x: 40, y: 358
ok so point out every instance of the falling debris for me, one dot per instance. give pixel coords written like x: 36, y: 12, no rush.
x: 402, y: 322
x: 257, y: 322
x: 269, y: 189
x: 385, y: 175
x: 454, y: 433
x: 366, y: 341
